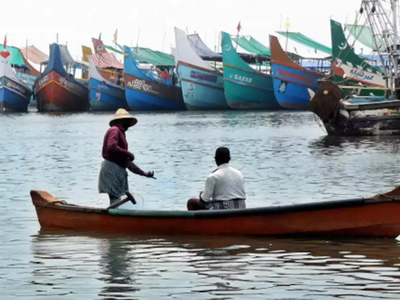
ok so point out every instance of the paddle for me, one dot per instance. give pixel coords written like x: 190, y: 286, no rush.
x: 119, y: 203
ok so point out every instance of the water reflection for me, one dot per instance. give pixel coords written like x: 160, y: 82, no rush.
x: 177, y: 266
x: 116, y: 268
x: 285, y: 158
x: 336, y: 145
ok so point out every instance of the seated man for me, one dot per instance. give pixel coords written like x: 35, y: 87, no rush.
x: 224, y: 187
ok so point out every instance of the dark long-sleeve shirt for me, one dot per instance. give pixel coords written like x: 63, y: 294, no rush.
x: 115, y: 149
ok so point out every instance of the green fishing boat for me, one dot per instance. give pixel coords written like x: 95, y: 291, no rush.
x: 245, y: 88
x: 351, y: 70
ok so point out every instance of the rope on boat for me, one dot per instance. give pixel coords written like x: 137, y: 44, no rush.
x: 54, y: 202
x: 319, y: 123
x: 388, y: 197
x: 141, y: 198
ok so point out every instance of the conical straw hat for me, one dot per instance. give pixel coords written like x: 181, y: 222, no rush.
x: 123, y: 114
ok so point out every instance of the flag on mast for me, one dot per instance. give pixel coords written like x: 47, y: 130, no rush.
x: 115, y: 35
x: 239, y: 27
x: 287, y: 24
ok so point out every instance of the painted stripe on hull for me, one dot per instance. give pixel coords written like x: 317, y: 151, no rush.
x: 201, y: 89
x: 291, y: 86
x: 146, y: 94
x: 200, y: 97
x: 10, y: 101
x: 141, y: 101
x: 54, y: 97
x: 245, y: 96
x: 104, y: 97
x: 293, y: 97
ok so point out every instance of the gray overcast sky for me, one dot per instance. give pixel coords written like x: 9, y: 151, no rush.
x: 78, y: 21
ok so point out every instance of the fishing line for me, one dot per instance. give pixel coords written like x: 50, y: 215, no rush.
x: 141, y: 198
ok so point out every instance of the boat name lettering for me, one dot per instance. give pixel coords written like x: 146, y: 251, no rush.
x: 103, y: 86
x: 241, y: 78
x: 139, y: 85
x: 43, y: 80
x: 29, y: 79
x: 279, y: 71
x: 202, y: 76
x: 360, y: 74
x: 63, y: 81
x: 16, y: 87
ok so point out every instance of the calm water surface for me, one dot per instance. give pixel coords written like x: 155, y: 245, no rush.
x: 285, y: 157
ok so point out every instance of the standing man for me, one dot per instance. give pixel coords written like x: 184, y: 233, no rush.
x: 224, y: 187
x: 113, y: 178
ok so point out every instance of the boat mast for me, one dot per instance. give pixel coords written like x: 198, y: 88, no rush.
x: 384, y: 30
x: 395, y: 37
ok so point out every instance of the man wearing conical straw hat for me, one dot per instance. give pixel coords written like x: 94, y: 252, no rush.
x: 113, y: 178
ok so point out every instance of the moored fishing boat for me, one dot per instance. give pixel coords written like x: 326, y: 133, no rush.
x: 33, y: 58
x: 378, y: 216
x: 354, y: 116
x: 144, y: 92
x: 104, y: 95
x: 291, y: 81
x: 57, y: 90
x: 365, y: 115
x: 349, y: 69
x: 14, y: 93
x: 202, y: 85
x: 245, y: 88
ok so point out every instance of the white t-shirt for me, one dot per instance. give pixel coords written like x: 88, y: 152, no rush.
x: 225, y: 183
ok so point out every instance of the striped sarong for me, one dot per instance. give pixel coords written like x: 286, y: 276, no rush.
x: 228, y: 204
x: 113, y: 179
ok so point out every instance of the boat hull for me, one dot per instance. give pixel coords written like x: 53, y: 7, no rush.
x: 14, y: 97
x: 245, y: 88
x: 355, y: 116
x: 241, y: 95
x: 29, y: 80
x: 60, y: 94
x: 202, y: 89
x: 374, y: 217
x: 291, y: 86
x: 106, y: 97
x: 142, y: 94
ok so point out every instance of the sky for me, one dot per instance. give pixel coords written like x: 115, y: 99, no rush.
x: 76, y: 22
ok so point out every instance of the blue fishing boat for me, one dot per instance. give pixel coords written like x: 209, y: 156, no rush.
x: 103, y: 94
x: 144, y: 92
x: 14, y: 94
x: 202, y: 85
x: 29, y: 80
x: 291, y: 81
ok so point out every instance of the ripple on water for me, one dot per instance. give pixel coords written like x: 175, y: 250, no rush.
x: 285, y: 158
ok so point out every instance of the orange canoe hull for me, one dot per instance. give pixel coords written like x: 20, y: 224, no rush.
x: 374, y: 217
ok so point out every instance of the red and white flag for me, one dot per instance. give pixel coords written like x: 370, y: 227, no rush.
x: 239, y: 27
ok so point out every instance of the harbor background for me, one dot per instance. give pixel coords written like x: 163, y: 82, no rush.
x: 285, y: 157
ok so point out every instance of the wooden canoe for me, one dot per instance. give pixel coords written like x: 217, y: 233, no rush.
x: 378, y: 216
